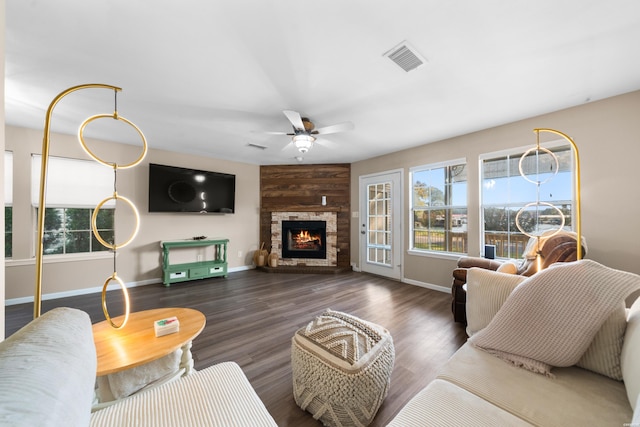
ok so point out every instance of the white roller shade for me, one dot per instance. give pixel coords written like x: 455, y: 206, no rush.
x: 72, y: 183
x: 8, y: 178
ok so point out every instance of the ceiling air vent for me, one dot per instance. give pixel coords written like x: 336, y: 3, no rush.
x: 260, y: 147
x: 405, y: 56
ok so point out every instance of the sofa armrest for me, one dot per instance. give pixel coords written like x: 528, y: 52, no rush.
x: 48, y: 371
x: 459, y: 276
x: 219, y: 395
x: 486, y: 292
x: 465, y: 263
x: 487, y: 264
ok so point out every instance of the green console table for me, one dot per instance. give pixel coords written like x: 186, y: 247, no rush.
x: 174, y: 273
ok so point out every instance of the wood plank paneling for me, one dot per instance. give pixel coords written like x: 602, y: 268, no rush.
x: 298, y: 188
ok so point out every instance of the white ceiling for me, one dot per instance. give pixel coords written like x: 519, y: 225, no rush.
x: 206, y: 77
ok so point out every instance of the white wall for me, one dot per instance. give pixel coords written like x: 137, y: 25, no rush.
x: 139, y: 262
x: 607, y: 134
x: 2, y: 24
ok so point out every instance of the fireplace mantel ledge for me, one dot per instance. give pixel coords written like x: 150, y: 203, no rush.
x: 306, y: 209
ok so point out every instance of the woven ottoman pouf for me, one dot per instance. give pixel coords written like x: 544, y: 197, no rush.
x: 341, y: 368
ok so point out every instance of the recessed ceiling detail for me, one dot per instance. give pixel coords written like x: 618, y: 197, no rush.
x: 405, y: 56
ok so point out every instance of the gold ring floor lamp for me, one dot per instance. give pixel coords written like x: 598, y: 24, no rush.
x: 576, y: 158
x: 37, y: 299
x: 537, y: 150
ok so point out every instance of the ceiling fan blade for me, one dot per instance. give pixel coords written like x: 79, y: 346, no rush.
x: 326, y: 143
x: 340, y: 127
x: 288, y: 146
x: 272, y: 132
x: 295, y: 119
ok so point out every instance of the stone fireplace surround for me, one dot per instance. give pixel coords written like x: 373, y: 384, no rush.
x: 332, y: 232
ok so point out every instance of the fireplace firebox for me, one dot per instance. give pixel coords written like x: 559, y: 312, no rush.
x: 304, y: 239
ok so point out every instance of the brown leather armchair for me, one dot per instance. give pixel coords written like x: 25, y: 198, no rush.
x: 560, y: 247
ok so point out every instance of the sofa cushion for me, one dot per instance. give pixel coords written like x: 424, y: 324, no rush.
x: 551, y: 318
x: 486, y: 292
x: 594, y: 400
x: 603, y: 354
x: 444, y: 404
x: 48, y: 371
x: 629, y: 356
x: 219, y: 395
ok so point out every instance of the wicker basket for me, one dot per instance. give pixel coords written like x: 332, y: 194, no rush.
x: 272, y: 260
x: 260, y: 256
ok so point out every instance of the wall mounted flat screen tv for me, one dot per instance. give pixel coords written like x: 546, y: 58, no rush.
x: 174, y: 189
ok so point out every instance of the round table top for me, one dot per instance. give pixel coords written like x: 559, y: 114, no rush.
x: 136, y: 343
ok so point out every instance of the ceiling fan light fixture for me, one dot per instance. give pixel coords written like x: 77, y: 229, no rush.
x: 303, y: 142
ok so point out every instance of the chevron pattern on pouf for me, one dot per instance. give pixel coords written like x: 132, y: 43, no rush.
x: 342, y: 335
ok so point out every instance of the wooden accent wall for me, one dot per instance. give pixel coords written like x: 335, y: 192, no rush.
x: 299, y: 188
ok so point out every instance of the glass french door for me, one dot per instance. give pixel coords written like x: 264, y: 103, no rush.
x: 380, y: 224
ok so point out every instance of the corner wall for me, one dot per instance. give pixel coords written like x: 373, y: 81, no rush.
x: 607, y: 134
x: 299, y: 188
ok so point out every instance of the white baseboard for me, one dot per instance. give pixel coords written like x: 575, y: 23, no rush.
x: 98, y: 289
x: 438, y: 288
x: 241, y: 268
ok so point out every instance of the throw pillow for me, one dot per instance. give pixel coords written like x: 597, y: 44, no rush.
x: 603, y: 355
x: 552, y: 317
x: 486, y: 292
x: 508, y: 267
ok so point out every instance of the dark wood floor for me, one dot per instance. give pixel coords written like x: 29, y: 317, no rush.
x: 251, y: 317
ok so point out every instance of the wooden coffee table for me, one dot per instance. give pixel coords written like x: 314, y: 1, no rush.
x: 136, y: 344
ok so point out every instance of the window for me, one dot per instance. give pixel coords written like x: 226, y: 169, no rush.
x: 380, y: 220
x: 505, y: 192
x: 439, y: 207
x: 8, y: 204
x: 68, y: 230
x: 74, y: 188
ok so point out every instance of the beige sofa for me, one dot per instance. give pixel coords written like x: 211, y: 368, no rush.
x: 47, y: 378
x: 477, y: 388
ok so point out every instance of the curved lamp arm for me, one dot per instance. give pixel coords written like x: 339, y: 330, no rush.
x: 577, y: 186
x: 37, y: 297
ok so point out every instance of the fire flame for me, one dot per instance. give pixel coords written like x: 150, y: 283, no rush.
x: 304, y: 236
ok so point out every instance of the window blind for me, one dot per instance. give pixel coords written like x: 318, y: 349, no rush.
x: 72, y: 183
x: 8, y: 178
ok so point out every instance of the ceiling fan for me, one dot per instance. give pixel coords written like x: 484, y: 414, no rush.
x: 304, y: 130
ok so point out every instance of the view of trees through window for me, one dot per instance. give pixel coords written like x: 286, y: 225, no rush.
x: 8, y: 203
x: 68, y: 230
x: 8, y: 233
x: 439, y: 206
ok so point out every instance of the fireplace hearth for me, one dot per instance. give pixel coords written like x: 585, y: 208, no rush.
x: 304, y: 239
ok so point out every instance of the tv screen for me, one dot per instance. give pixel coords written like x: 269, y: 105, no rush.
x: 174, y: 189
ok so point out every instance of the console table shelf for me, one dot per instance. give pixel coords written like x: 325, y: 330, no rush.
x: 174, y: 273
